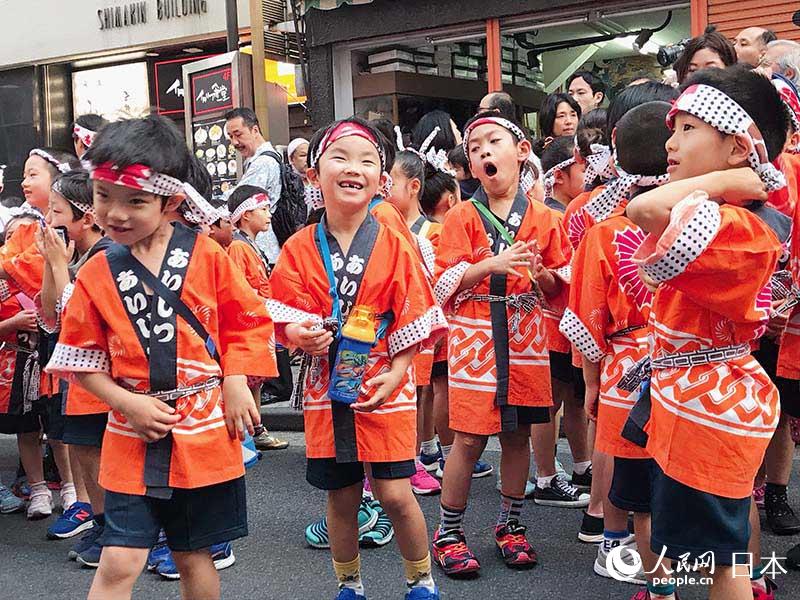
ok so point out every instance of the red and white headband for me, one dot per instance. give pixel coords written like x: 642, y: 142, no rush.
x: 790, y: 98
x: 198, y: 210
x: 86, y: 136
x: 254, y: 202
x: 550, y: 176
x: 505, y: 123
x: 726, y: 115
x: 342, y: 130
x: 43, y: 154
x: 58, y: 188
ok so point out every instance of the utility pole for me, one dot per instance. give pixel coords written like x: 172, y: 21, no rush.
x: 232, y: 24
x: 260, y: 96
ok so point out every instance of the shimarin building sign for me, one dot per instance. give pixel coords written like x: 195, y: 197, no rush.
x: 130, y: 14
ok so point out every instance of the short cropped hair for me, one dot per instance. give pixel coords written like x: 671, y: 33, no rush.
x: 247, y: 115
x: 642, y: 135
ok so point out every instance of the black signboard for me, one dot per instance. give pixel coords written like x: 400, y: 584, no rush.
x: 212, y: 90
x: 213, y: 148
x: 168, y: 77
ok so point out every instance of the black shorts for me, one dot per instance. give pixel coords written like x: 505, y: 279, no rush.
x: 630, y: 486
x: 789, y: 389
x: 192, y: 519
x: 686, y: 520
x: 327, y: 474
x: 30, y: 422
x: 53, y: 419
x: 533, y: 415
x: 85, y: 430
x: 439, y: 369
x: 562, y: 369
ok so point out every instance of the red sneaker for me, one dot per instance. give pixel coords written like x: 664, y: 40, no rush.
x: 641, y: 594
x: 513, y: 546
x: 450, y: 552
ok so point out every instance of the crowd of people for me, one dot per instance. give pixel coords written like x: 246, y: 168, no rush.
x: 631, y: 275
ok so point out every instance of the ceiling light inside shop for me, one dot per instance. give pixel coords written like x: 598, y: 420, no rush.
x: 151, y: 54
x: 193, y: 50
x: 105, y: 60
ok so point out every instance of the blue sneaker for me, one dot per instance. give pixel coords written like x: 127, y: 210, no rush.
x: 87, y: 540
x: 167, y: 567
x: 91, y: 556
x: 222, y: 555
x: 430, y: 461
x: 158, y: 553
x: 423, y: 593
x: 74, y: 520
x: 9, y: 503
x: 348, y: 594
x: 481, y: 469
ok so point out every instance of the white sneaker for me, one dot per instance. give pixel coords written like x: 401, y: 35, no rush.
x: 41, y: 505
x: 68, y: 497
x: 601, y: 562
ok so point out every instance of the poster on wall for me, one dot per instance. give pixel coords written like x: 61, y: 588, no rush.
x: 118, y: 92
x: 213, y: 148
x: 212, y: 91
x: 168, y: 76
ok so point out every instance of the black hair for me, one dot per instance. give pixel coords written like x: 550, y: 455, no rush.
x: 768, y: 36
x: 503, y: 103
x: 218, y: 203
x: 632, y: 97
x: 488, y: 114
x: 388, y: 147
x: 559, y: 150
x: 458, y: 157
x: 594, y: 119
x: 642, y: 134
x: 547, y: 113
x: 199, y: 178
x: 712, y: 40
x: 386, y: 138
x: 242, y: 193
x: 412, y: 166
x: 62, y: 156
x: 153, y: 141
x: 594, y: 82
x: 12, y: 201
x: 75, y: 186
x: 247, y: 115
x: 91, y: 122
x: 756, y: 95
x: 444, y: 140
x: 436, y: 184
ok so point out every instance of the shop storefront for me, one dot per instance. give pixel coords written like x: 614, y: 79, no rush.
x: 400, y: 60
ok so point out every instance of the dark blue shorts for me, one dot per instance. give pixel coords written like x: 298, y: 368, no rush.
x: 53, y: 416
x: 630, y: 486
x: 686, y: 520
x: 562, y: 369
x: 327, y: 474
x: 192, y: 519
x: 85, y: 430
x: 439, y: 369
x: 767, y: 356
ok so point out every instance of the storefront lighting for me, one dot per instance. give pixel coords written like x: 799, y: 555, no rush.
x: 105, y: 60
x: 193, y: 50
x: 151, y: 54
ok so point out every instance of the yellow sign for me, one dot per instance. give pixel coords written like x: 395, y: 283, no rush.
x: 282, y: 74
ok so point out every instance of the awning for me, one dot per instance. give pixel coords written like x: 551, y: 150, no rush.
x: 329, y: 4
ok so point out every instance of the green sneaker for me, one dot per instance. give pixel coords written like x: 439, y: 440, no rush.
x: 382, y: 533
x: 317, y: 532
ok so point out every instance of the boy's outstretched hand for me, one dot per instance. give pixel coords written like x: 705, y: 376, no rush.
x: 380, y: 389
x: 241, y: 412
x: 311, y: 341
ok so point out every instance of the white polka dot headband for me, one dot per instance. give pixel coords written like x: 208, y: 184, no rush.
x: 550, y: 176
x: 723, y: 113
x: 598, y: 164
x: 254, y: 202
x: 198, y: 210
x: 43, y: 154
x: 427, y: 153
x: 617, y: 190
x: 137, y: 177
x: 58, y: 188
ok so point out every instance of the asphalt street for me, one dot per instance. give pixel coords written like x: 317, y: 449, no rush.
x: 274, y: 563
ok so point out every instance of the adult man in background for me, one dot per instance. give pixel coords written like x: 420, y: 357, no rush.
x: 751, y: 44
x: 587, y: 89
x: 783, y: 57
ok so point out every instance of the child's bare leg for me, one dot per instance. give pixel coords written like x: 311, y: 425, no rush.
x: 88, y: 457
x: 515, y: 460
x: 77, y: 475
x: 441, y: 411
x: 467, y: 449
x: 343, y: 522
x: 398, y: 501
x: 61, y: 456
x: 119, y: 569
x: 30, y: 453
x: 425, y: 421
x: 602, y: 473
x: 543, y: 441
x: 199, y: 578
x: 728, y: 587
x: 576, y: 428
